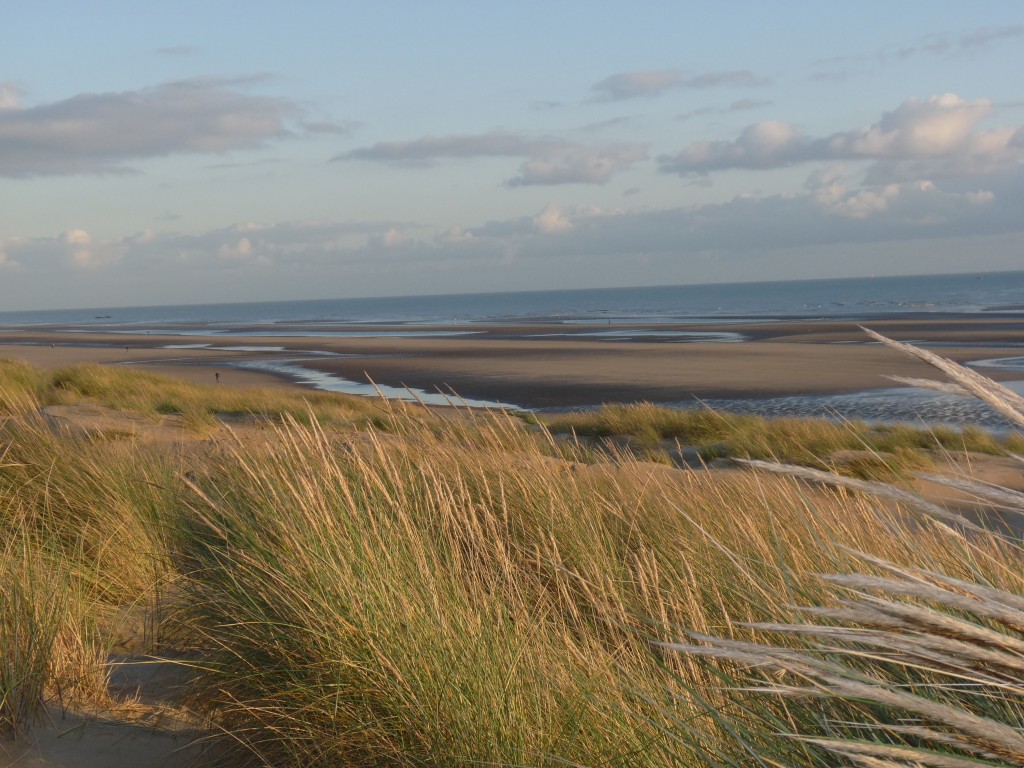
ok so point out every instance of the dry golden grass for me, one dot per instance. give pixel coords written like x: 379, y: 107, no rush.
x: 453, y: 593
x: 424, y: 589
x: 200, y: 405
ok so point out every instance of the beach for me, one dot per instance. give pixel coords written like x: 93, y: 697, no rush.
x: 308, y: 497
x: 542, y: 365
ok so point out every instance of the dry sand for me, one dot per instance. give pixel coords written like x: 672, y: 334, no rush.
x: 71, y: 741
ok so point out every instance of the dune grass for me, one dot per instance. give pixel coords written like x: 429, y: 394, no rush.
x: 30, y: 618
x: 200, y: 405
x: 81, y: 528
x: 439, y: 589
x: 430, y: 597
x: 854, y: 448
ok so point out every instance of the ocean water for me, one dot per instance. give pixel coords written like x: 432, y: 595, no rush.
x: 849, y: 298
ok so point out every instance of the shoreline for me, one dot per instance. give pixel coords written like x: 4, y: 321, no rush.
x: 544, y: 366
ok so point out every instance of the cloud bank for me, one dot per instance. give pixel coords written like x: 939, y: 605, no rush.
x: 561, y: 243
x: 938, y: 137
x: 102, y: 132
x: 828, y: 211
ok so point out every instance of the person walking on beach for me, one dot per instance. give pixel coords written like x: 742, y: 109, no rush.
x: 216, y: 375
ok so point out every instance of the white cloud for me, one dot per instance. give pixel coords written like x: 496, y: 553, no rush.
x: 80, y: 248
x: 241, y: 249
x: 454, y: 235
x: 939, y: 126
x: 10, y: 96
x: 825, y: 177
x: 864, y: 202
x: 935, y: 138
x: 631, y: 85
x: 490, y: 144
x: 827, y: 185
x: 77, y: 237
x: 85, y: 252
x: 552, y: 220
x: 393, y: 237
x: 100, y: 132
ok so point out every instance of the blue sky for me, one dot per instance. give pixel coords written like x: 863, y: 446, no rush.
x: 228, y: 151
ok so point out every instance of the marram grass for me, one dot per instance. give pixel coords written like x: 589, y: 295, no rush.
x: 398, y: 588
x: 82, y: 538
x: 457, y: 595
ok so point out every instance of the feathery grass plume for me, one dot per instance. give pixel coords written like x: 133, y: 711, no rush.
x: 912, y: 500
x: 939, y: 386
x: 1001, y: 399
x: 1005, y: 498
x: 911, y: 668
x: 939, y: 663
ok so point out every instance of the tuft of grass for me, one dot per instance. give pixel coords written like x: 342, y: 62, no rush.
x: 31, y: 612
x: 49, y: 643
x: 380, y: 604
x: 80, y: 522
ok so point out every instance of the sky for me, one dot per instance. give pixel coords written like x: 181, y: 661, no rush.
x: 220, y: 151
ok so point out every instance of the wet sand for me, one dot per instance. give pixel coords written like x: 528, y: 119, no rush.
x: 555, y: 365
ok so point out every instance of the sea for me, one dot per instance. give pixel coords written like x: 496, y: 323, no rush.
x: 846, y: 299
x: 983, y: 294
